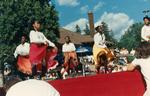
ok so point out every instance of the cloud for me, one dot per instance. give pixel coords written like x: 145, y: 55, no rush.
x: 81, y: 22
x: 68, y: 2
x: 117, y: 22
x: 84, y: 9
x: 98, y: 6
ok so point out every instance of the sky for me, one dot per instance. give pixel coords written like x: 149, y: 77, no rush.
x: 118, y: 14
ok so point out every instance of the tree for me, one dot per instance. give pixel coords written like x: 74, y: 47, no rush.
x: 87, y: 30
x: 15, y: 20
x: 132, y: 37
x: 109, y: 35
x: 78, y: 30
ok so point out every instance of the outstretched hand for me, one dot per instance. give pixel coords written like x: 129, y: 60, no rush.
x: 46, y: 43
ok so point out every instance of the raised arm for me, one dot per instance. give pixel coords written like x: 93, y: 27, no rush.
x: 49, y: 42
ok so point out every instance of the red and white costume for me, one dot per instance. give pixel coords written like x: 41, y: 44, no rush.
x: 22, y: 52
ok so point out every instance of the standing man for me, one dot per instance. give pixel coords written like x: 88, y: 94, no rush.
x: 70, y: 56
x: 145, y: 32
x: 22, y: 55
x: 39, y: 44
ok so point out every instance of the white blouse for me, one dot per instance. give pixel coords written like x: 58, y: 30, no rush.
x: 99, y: 40
x: 145, y: 69
x: 38, y: 37
x: 145, y: 32
x: 68, y: 47
x: 22, y: 49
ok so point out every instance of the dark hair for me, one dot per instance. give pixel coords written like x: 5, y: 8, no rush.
x: 10, y: 82
x: 24, y: 35
x: 68, y: 38
x: 146, y: 17
x: 96, y: 28
x: 35, y: 20
x: 143, y: 50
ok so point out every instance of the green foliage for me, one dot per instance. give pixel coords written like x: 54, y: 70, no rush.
x: 15, y: 20
x: 109, y: 35
x: 87, y: 30
x: 132, y: 37
x: 78, y: 30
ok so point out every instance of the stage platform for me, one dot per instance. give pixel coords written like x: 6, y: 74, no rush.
x: 114, y: 84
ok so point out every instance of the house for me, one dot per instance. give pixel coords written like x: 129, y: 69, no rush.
x: 76, y: 38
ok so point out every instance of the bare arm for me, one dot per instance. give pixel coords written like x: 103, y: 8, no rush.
x: 16, y: 53
x: 48, y: 42
x: 131, y: 67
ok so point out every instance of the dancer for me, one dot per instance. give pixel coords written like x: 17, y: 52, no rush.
x: 70, y: 56
x: 100, y: 47
x: 39, y: 44
x: 22, y: 55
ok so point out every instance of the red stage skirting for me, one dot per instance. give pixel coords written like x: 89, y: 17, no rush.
x: 115, y: 84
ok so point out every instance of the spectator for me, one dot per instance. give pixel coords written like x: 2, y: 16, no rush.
x: 115, y: 69
x: 132, y: 52
x: 145, y: 32
x: 143, y: 60
x: 32, y: 87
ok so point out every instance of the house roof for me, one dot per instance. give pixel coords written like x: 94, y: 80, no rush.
x: 76, y: 38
